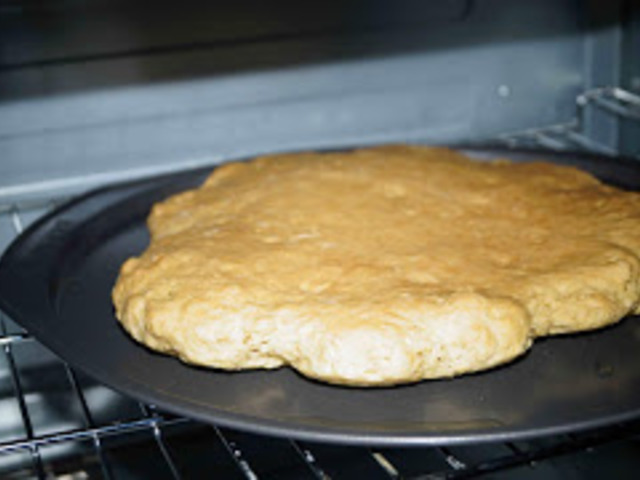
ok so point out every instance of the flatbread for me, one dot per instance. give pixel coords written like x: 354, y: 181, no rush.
x: 380, y: 266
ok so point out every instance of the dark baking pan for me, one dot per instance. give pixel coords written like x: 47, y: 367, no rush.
x: 56, y: 281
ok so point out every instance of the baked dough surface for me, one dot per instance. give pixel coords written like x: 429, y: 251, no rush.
x: 380, y: 266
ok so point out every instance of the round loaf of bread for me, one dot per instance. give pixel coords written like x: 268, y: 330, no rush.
x: 380, y: 266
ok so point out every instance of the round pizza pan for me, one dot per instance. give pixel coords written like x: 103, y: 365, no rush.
x: 56, y: 280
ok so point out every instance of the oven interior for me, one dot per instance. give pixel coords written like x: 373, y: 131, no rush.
x: 101, y: 91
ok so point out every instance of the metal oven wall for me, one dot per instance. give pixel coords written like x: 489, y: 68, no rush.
x: 89, y: 90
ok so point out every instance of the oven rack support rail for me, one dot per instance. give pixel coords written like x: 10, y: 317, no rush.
x: 615, y: 102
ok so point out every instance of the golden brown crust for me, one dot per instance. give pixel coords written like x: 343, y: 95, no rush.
x: 380, y: 266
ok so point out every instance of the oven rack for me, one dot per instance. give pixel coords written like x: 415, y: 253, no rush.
x: 57, y: 423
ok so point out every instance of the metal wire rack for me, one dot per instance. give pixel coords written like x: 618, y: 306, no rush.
x: 57, y: 423
x: 615, y: 102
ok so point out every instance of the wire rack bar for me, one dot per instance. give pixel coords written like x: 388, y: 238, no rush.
x: 25, y: 418
x: 556, y: 137
x: 88, y: 420
x: 16, y: 220
x: 30, y: 444
x: 585, y: 143
x: 308, y: 458
x: 150, y: 413
x: 625, y: 96
x: 614, y: 100
x: 386, y: 464
x: 547, y: 140
x: 14, y: 338
x: 80, y: 434
x: 453, y: 461
x: 237, y: 455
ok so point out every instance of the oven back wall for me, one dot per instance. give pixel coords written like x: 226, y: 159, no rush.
x: 97, y: 91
